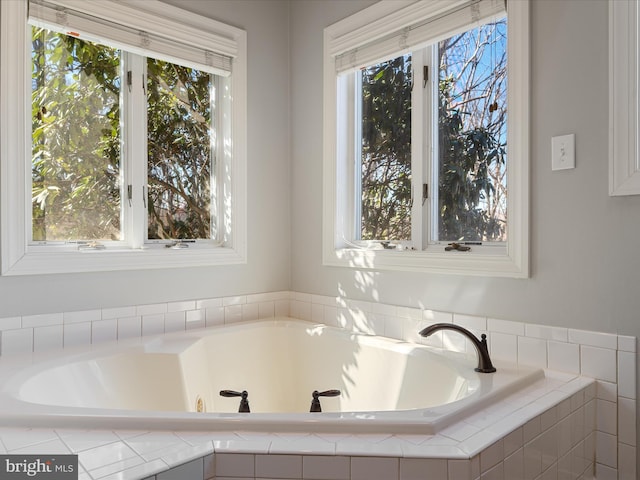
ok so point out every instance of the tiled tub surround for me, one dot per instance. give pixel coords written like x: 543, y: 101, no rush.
x: 610, y: 359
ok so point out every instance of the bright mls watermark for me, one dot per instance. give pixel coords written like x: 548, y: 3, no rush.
x: 50, y: 467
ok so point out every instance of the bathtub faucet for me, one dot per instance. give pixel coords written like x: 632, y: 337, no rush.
x: 484, y: 361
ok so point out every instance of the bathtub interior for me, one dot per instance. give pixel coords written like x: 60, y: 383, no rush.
x: 279, y: 363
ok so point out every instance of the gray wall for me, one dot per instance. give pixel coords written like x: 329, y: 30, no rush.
x: 269, y: 258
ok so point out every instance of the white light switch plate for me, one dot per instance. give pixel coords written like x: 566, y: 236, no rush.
x: 563, y: 152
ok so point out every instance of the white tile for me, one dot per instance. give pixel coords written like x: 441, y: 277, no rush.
x: 496, y: 473
x: 16, y: 341
x: 282, y: 308
x: 181, y: 306
x: 86, y: 440
x: 627, y: 362
x: 503, y: 347
x: 374, y: 468
x: 268, y: 310
x: 415, y: 468
x: 626, y: 421
x: 139, y: 471
x: 390, y: 310
x: 407, y: 312
x: 594, y: 339
x: 238, y: 300
x: 599, y: 363
x: 233, y: 314
x: 209, y: 462
x: 250, y: 311
x: 546, y: 332
x: 459, y: 470
x: 471, y: 322
x: 300, y: 296
x: 606, y: 473
x: 152, y: 324
x: 209, y: 303
x: 606, y: 390
x: 514, y: 465
x: 105, y: 455
x: 52, y: 447
x: 235, y: 465
x: 330, y: 315
x: 196, y: 319
x: 118, y: 312
x: 82, y: 316
x: 606, y: 449
x: 393, y: 327
x: 325, y: 467
x: 627, y: 462
x: 564, y: 357
x: 606, y: 417
x: 190, y: 470
x: 505, y: 326
x: 325, y: 300
x: 130, y: 327
x: 532, y: 459
x: 154, y: 442
x: 104, y: 331
x: 548, y: 419
x: 10, y: 323
x: 43, y: 320
x: 317, y: 313
x: 47, y: 338
x: 278, y: 466
x: 627, y: 343
x: 77, y: 334
x: 460, y: 431
x: 532, y: 351
x: 16, y: 439
x: 214, y: 316
x: 300, y: 446
x: 151, y: 309
x: 513, y: 441
x: 175, y: 322
x: 491, y: 456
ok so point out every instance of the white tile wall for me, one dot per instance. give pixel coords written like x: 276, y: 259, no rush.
x: 523, y: 453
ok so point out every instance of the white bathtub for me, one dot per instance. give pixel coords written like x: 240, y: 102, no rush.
x: 158, y: 382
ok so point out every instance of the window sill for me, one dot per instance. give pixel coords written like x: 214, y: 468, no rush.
x: 77, y: 261
x: 488, y: 262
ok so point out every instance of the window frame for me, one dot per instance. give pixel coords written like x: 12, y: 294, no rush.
x: 380, y: 21
x: 17, y: 257
x: 624, y: 105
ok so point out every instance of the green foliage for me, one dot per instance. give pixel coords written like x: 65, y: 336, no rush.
x: 386, y: 150
x: 179, y: 160
x: 464, y: 182
x: 75, y: 139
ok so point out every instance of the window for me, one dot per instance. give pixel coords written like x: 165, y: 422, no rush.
x: 418, y: 152
x: 134, y: 142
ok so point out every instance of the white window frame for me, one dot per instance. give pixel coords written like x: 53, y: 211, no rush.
x: 381, y: 21
x: 624, y: 155
x: 17, y: 257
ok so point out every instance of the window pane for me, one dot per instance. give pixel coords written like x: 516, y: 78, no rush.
x: 472, y: 125
x: 180, y: 137
x: 75, y: 139
x: 385, y: 168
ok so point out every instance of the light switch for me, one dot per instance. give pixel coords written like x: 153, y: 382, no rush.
x: 563, y: 152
